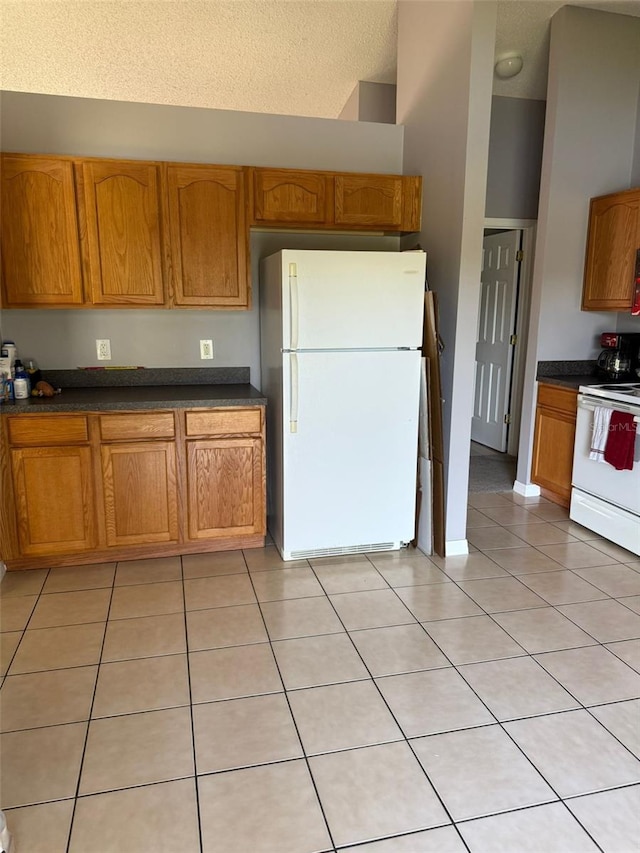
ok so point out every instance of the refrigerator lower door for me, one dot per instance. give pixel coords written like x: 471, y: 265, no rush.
x: 349, y: 452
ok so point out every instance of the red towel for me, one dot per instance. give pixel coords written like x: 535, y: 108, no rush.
x: 621, y: 441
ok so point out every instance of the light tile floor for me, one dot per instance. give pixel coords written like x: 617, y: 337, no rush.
x: 382, y: 704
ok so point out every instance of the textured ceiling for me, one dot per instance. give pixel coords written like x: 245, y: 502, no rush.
x: 296, y: 57
x: 524, y: 27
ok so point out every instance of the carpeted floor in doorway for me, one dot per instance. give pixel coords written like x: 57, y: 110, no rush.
x: 490, y: 471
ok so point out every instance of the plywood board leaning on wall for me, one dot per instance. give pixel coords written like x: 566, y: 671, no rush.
x: 431, y: 351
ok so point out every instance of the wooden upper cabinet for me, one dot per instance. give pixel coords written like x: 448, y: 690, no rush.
x: 613, y: 242
x: 120, y: 209
x: 209, y: 237
x: 284, y: 195
x: 341, y: 201
x: 369, y: 200
x: 40, y: 244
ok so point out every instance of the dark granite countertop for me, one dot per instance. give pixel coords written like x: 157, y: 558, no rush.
x: 124, y: 390
x: 139, y: 397
x: 573, y: 374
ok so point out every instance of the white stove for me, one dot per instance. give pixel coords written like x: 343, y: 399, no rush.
x: 604, y: 499
x: 623, y: 392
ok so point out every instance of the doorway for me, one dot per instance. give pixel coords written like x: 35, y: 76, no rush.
x: 503, y: 315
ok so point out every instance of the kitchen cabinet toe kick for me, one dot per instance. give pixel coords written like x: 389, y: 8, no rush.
x: 143, y: 552
x: 96, y: 488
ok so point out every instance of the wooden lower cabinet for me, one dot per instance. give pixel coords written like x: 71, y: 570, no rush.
x: 554, y: 437
x: 140, y: 491
x: 225, y: 487
x: 54, y: 499
x: 88, y: 488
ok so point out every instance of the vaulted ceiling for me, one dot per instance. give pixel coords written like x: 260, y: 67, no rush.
x: 295, y: 57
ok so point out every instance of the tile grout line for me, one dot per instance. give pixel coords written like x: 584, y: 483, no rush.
x: 93, y: 699
x: 393, y: 716
x: 284, y: 690
x: 193, y: 730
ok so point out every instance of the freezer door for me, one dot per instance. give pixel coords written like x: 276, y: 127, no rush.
x: 352, y: 300
x: 349, y: 449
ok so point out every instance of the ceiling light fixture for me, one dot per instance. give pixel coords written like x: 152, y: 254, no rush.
x: 508, y: 65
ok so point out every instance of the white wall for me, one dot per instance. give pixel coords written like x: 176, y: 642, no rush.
x: 159, y: 338
x: 445, y: 107
x: 594, y: 76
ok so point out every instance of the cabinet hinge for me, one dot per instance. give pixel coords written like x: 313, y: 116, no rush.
x: 507, y: 419
x: 513, y: 340
x: 519, y: 255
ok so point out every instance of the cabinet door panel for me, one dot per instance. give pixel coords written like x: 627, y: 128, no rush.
x: 122, y: 209
x: 612, y: 243
x: 54, y: 499
x: 209, y: 238
x: 553, y: 451
x: 139, y: 482
x: 369, y: 200
x: 40, y: 242
x: 225, y: 487
x: 288, y: 196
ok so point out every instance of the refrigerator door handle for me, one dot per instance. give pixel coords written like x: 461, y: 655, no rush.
x: 293, y: 413
x: 293, y: 304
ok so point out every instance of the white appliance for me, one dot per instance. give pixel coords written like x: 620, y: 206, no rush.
x: 602, y: 499
x: 340, y: 338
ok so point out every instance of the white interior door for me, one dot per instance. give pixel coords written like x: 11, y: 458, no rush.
x: 349, y: 449
x: 494, y: 351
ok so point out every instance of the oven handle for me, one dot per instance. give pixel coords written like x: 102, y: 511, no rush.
x: 619, y: 407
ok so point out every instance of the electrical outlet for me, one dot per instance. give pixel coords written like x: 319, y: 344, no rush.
x: 103, y: 349
x: 206, y: 349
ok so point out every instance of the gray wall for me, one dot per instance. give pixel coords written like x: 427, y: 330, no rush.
x: 592, y: 97
x: 515, y: 158
x: 377, y: 102
x: 374, y: 102
x: 157, y: 338
x: 445, y: 107
x: 635, y: 169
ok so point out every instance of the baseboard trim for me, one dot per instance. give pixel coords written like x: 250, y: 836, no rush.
x: 456, y: 547
x: 527, y: 490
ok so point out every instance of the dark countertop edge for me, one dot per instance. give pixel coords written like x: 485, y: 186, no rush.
x: 570, y: 381
x: 141, y: 398
x: 575, y: 381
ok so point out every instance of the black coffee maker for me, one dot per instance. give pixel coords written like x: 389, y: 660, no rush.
x: 620, y: 356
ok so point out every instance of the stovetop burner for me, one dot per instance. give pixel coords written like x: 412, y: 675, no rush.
x: 624, y: 387
x: 623, y: 391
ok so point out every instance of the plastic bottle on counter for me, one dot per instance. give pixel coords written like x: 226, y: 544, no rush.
x: 21, y: 384
x: 9, y: 350
x: 33, y: 372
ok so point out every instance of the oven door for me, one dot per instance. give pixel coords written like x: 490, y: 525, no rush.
x: 621, y: 488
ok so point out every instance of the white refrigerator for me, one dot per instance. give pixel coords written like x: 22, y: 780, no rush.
x: 340, y: 357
